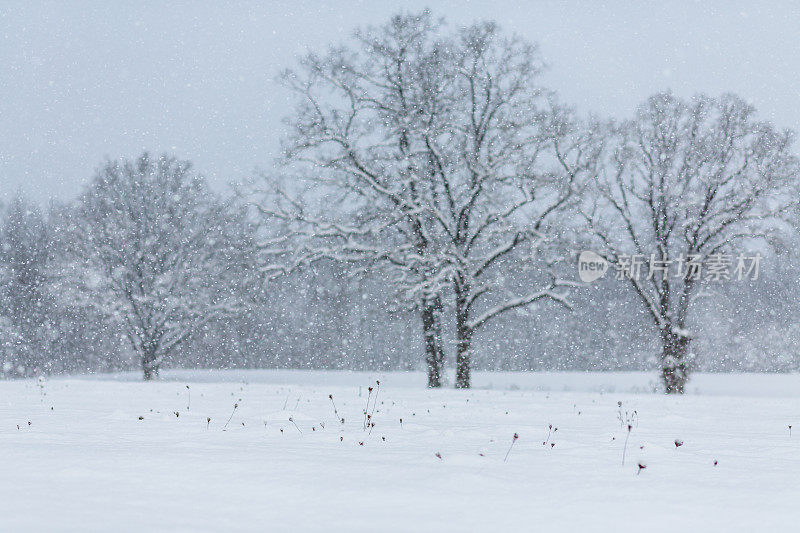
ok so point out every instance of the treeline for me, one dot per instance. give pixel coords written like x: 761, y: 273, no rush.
x: 429, y: 211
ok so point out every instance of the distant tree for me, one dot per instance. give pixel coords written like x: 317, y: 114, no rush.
x: 26, y: 299
x: 683, y: 182
x: 157, y: 253
x: 437, y: 157
x: 9, y: 338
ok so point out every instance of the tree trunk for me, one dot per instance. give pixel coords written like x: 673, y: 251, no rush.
x: 149, y: 366
x: 434, y: 351
x: 463, y: 344
x: 463, y: 363
x: 674, y: 368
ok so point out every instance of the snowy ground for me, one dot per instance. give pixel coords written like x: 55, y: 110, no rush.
x: 75, y: 455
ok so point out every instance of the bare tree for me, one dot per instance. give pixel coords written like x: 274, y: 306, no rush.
x: 507, y: 163
x: 681, y: 183
x: 157, y: 253
x: 352, y: 136
x: 436, y: 156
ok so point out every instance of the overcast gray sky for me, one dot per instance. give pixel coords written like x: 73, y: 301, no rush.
x: 80, y: 81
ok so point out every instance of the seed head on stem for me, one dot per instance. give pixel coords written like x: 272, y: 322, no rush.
x: 335, y: 412
x: 291, y: 419
x: 513, y: 440
x: 235, y: 406
x: 626, y: 445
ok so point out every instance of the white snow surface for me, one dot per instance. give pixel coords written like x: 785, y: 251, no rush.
x: 74, y: 455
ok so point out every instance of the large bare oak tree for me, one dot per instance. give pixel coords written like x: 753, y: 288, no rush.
x: 682, y: 183
x: 437, y: 156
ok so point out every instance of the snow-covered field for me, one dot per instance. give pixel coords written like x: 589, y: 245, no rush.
x: 107, y: 453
